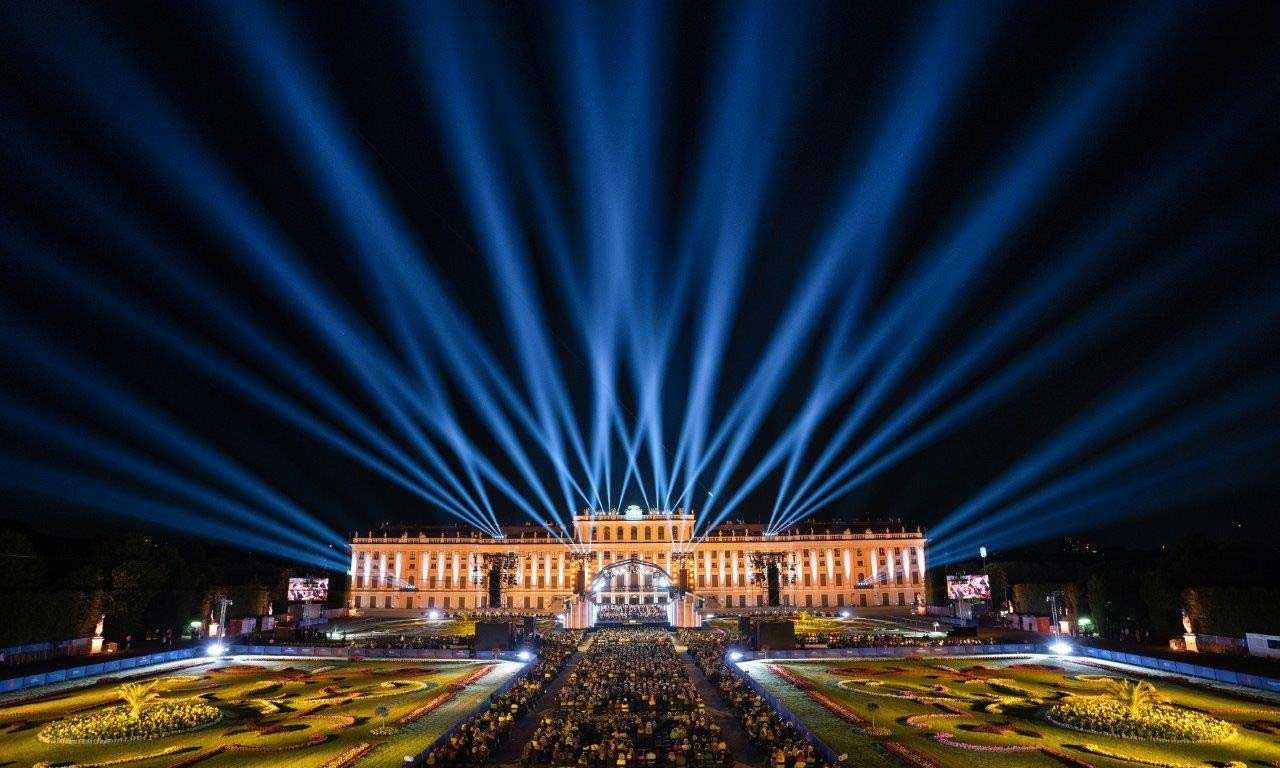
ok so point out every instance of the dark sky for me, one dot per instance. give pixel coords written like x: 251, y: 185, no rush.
x: 1210, y: 62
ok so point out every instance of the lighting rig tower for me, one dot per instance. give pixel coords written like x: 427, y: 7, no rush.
x: 767, y: 569
x: 680, y: 562
x: 580, y: 559
x: 223, y: 602
x: 500, y: 568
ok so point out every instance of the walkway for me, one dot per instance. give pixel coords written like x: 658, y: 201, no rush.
x: 509, y: 754
x: 739, y: 744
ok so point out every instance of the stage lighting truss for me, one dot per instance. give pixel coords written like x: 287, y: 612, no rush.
x: 506, y: 562
x: 760, y: 562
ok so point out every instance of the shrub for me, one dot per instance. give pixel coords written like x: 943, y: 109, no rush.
x: 1099, y: 714
x: 120, y: 724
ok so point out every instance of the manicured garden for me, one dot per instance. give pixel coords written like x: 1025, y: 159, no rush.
x: 286, y: 713
x: 1002, y: 712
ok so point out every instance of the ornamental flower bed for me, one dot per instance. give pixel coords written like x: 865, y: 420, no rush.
x: 349, y: 757
x: 949, y: 740
x: 116, y: 724
x: 427, y: 708
x: 1098, y: 714
x: 910, y: 756
x: 840, y: 710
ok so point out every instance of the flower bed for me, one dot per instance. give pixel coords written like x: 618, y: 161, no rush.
x: 116, y: 725
x: 1097, y: 714
x: 349, y: 757
x: 1094, y: 749
x: 910, y: 756
x: 949, y: 740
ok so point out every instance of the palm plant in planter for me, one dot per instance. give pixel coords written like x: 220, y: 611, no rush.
x: 137, y: 696
x: 1137, y: 697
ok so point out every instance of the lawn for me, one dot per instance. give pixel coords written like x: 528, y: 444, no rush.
x: 991, y: 712
x: 285, y: 713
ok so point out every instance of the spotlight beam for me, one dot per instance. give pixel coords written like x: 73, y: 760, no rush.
x: 1226, y: 465
x: 1197, y: 151
x: 733, y: 180
x: 89, y: 493
x: 865, y: 211
x: 1057, y: 135
x: 214, y: 363
x: 371, y: 223
x: 132, y: 107
x: 150, y: 424
x: 1109, y: 310
x: 1194, y: 431
x: 117, y: 459
x: 1157, y: 383
x: 471, y: 145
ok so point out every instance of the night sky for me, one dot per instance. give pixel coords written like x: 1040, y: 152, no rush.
x: 1203, y: 89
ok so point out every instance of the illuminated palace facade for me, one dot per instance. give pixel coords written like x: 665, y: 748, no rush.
x: 633, y: 558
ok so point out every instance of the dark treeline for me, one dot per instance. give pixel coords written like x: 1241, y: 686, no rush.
x: 1225, y: 587
x: 150, y: 588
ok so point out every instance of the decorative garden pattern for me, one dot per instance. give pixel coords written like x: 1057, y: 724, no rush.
x: 1000, y: 712
x: 220, y: 714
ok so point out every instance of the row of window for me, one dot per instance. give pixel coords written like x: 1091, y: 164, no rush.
x: 412, y: 602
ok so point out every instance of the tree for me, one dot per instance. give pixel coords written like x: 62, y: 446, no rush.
x: 1163, y: 603
x: 871, y: 710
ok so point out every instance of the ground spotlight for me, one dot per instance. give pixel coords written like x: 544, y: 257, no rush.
x: 524, y: 655
x: 433, y: 615
x: 1060, y: 648
x: 215, y: 649
x: 845, y: 614
x: 735, y: 655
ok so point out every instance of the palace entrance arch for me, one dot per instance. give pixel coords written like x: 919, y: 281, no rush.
x: 631, y: 591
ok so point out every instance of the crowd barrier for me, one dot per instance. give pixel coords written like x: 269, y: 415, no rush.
x: 1148, y: 662
x: 344, y: 652
x: 828, y: 754
x: 1182, y: 668
x: 896, y: 651
x: 96, y: 670
x: 483, y: 704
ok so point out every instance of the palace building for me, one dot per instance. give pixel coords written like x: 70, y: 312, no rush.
x: 638, y: 558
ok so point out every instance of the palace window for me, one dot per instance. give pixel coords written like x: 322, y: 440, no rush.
x: 648, y: 533
x: 635, y: 533
x: 662, y: 532
x: 862, y: 599
x: 824, y: 600
x: 606, y: 534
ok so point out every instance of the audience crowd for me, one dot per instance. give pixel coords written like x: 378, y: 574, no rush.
x: 880, y: 640
x: 775, y: 737
x: 476, y: 740
x: 647, y: 613
x: 627, y: 702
